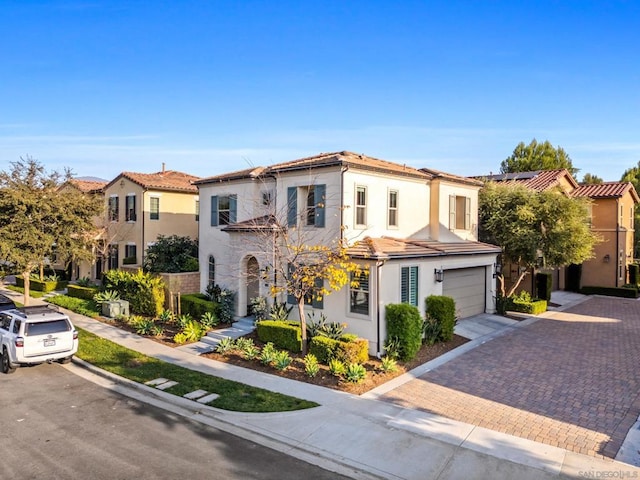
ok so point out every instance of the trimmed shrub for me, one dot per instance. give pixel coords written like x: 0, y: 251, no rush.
x: 544, y: 282
x: 533, y: 307
x: 625, y: 292
x: 442, y: 310
x: 355, y: 351
x: 196, y: 305
x: 404, y: 324
x: 143, y: 291
x: 78, y: 291
x: 323, y: 348
x: 634, y: 273
x: 281, y: 334
x: 39, y: 286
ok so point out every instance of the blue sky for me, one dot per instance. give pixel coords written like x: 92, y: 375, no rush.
x: 214, y: 86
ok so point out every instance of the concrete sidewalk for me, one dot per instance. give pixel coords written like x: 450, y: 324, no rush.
x: 362, y: 437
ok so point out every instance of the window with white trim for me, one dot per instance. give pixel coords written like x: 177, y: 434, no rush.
x: 392, y: 215
x: 130, y: 208
x: 459, y: 212
x: 361, y: 206
x: 114, y: 213
x: 154, y: 208
x: 359, y: 295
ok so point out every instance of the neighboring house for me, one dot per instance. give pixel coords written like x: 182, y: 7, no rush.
x: 142, y: 206
x: 612, y: 214
x: 415, y: 230
x: 82, y: 269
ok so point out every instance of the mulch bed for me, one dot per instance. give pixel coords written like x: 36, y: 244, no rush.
x: 324, y: 378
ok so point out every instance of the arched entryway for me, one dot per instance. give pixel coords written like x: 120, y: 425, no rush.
x: 252, y: 281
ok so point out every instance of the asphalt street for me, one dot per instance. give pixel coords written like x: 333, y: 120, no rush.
x: 56, y: 425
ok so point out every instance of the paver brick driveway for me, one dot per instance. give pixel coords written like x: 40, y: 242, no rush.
x: 571, y: 379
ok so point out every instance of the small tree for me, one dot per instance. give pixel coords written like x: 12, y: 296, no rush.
x: 537, y: 156
x: 35, y: 216
x: 633, y: 175
x: 173, y: 254
x: 590, y: 179
x: 530, y: 225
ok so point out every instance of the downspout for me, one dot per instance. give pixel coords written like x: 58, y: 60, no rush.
x: 379, y: 265
x: 343, y: 170
x: 617, y: 240
x: 142, y: 215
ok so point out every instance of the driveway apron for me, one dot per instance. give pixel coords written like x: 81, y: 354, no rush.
x: 571, y: 379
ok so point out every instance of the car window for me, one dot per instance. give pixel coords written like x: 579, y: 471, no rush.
x: 5, y: 321
x: 16, y: 326
x: 45, y: 328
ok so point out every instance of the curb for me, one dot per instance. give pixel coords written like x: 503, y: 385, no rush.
x: 215, y: 417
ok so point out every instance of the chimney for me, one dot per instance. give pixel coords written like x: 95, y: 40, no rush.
x: 163, y: 166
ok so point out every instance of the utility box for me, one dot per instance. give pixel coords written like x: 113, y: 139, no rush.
x: 115, y: 308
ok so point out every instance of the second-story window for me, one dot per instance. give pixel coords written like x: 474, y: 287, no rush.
x: 313, y: 199
x: 459, y: 213
x: 223, y: 210
x: 392, y: 218
x: 114, y: 214
x: 130, y: 208
x: 154, y: 208
x: 197, y: 210
x: 361, y: 206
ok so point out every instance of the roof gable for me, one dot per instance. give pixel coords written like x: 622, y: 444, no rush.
x: 606, y: 190
x: 538, y: 180
x: 168, y: 180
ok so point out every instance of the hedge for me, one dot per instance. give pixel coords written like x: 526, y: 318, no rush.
x: 534, y: 307
x: 77, y: 291
x: 38, y: 286
x: 404, y: 324
x: 347, y: 350
x: 281, y: 334
x: 442, y: 309
x: 197, y: 304
x: 544, y: 283
x: 625, y: 292
x: 143, y: 291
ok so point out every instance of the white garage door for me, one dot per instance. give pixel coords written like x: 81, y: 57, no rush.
x: 467, y: 287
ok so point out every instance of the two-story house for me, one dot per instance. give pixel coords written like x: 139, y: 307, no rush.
x: 142, y: 206
x: 611, y: 218
x: 414, y: 230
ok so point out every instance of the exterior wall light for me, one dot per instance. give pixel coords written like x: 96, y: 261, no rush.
x: 439, y: 274
x: 607, y: 258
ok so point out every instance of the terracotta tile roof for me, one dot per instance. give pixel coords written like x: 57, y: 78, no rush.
x: 170, y: 180
x: 389, y: 248
x: 254, y: 172
x: 537, y: 180
x: 88, y: 186
x: 606, y: 190
x: 451, y: 177
x: 345, y: 159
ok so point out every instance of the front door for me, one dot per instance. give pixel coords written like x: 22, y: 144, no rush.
x: 253, y: 282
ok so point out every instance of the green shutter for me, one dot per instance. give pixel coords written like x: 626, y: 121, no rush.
x: 404, y: 285
x: 214, y: 211
x: 292, y: 206
x: 319, y: 193
x: 233, y: 208
x: 291, y: 300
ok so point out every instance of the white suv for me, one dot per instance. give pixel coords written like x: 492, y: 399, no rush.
x: 32, y: 335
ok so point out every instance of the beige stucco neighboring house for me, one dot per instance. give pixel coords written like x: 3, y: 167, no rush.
x: 414, y: 230
x: 142, y: 206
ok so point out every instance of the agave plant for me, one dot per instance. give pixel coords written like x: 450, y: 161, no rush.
x: 226, y: 345
x: 183, y: 320
x: 388, y: 364
x: 166, y: 316
x: 280, y: 311
x: 337, y: 367
x: 268, y: 353
x: 282, y: 360
x: 355, y: 373
x: 106, y: 296
x: 193, y: 331
x: 311, y: 365
x: 209, y: 320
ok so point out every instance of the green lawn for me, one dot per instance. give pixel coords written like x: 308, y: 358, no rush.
x: 141, y: 368
x: 32, y: 293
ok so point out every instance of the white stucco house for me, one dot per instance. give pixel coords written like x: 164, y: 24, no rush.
x: 414, y: 229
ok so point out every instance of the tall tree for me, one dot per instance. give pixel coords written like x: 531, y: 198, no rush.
x: 537, y: 156
x: 633, y: 175
x: 591, y: 179
x: 36, y: 215
x: 528, y: 225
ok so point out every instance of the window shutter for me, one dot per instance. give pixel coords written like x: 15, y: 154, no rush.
x: 319, y: 193
x: 413, y: 286
x: 133, y: 209
x: 292, y: 206
x: 452, y: 212
x: 404, y: 284
x: 214, y: 211
x: 315, y: 303
x: 291, y: 300
x: 467, y: 213
x: 233, y: 208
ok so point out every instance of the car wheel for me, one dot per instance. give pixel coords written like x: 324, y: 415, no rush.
x: 65, y: 360
x: 6, y: 365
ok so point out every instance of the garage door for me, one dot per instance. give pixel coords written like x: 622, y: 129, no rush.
x: 467, y: 287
